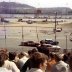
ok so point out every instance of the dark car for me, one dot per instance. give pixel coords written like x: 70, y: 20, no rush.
x: 29, y: 43
x: 50, y: 41
x: 29, y: 22
x: 55, y: 43
x: 20, y: 20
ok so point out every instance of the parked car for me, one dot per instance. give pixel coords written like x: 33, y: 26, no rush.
x: 29, y: 43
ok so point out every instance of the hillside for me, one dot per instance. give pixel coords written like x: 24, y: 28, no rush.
x: 59, y: 10
x: 17, y: 8
x: 12, y: 7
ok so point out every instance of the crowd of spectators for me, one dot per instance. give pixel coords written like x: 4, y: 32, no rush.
x: 35, y: 61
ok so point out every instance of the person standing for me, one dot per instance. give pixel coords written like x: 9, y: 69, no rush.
x: 60, y: 65
x: 70, y: 64
x: 38, y: 62
x: 51, y: 62
x: 2, y: 59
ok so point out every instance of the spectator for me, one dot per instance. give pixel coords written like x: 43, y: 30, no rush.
x: 60, y: 65
x: 2, y: 59
x: 66, y: 57
x: 11, y: 65
x: 12, y: 56
x: 70, y: 63
x: 38, y: 62
x: 22, y: 59
x: 51, y: 62
x: 27, y: 64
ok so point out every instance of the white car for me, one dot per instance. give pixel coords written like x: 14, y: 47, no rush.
x: 54, y: 48
x: 57, y: 29
x: 71, y: 37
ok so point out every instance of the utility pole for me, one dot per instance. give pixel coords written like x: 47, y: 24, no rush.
x: 37, y: 34
x: 5, y: 33
x: 66, y: 36
x: 66, y: 42
x: 22, y: 34
x: 55, y: 24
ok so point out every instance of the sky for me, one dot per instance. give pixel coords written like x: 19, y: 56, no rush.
x: 44, y: 3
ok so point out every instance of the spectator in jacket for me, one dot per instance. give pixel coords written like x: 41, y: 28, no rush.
x: 27, y: 64
x: 38, y: 62
x: 60, y: 65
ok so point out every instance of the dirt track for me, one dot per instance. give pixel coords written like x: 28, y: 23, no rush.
x: 14, y: 34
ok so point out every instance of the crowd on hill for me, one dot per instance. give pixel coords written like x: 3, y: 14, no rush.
x: 35, y: 61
